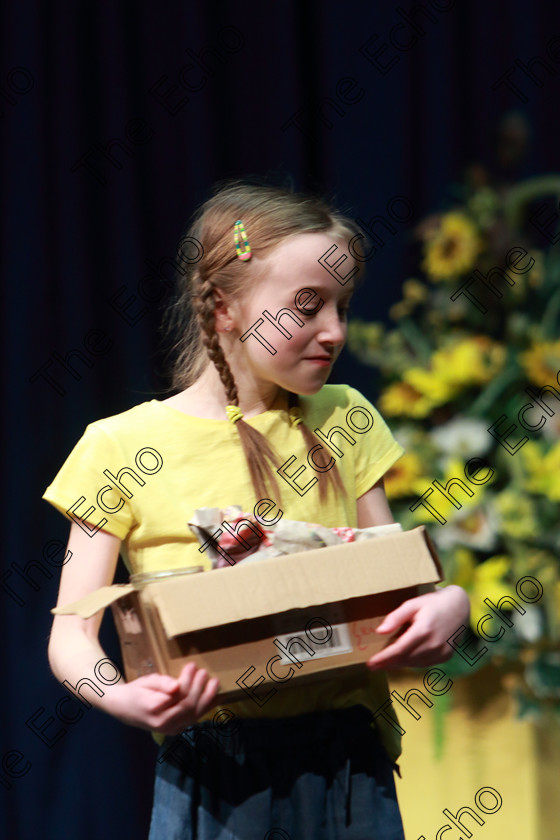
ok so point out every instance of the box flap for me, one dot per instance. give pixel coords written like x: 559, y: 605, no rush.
x: 95, y: 601
x: 294, y: 581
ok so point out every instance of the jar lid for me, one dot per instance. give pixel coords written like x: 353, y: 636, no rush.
x: 142, y: 578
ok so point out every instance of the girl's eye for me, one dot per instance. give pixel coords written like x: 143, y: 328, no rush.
x: 343, y: 311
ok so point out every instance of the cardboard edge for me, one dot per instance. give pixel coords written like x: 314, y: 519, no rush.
x: 103, y: 597
x: 433, y: 551
x: 95, y: 601
x: 432, y: 577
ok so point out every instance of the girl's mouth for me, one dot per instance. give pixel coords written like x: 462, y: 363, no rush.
x: 326, y: 361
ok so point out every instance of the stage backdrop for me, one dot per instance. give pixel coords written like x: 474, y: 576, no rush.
x: 116, y: 119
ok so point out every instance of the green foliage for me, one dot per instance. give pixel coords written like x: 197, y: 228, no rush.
x: 449, y: 372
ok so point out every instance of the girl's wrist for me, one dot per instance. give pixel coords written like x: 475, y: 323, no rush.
x: 112, y: 702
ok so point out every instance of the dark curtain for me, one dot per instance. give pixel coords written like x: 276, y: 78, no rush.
x: 116, y: 120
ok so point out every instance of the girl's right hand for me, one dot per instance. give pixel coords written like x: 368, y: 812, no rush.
x: 162, y: 703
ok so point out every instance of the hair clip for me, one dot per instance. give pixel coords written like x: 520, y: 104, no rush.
x: 234, y: 413
x: 239, y: 233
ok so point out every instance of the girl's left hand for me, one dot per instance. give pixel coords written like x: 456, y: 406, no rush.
x: 432, y: 619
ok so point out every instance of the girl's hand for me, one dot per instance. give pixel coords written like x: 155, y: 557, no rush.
x: 163, y: 703
x: 431, y: 620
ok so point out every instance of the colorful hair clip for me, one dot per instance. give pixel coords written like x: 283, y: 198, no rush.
x: 239, y: 233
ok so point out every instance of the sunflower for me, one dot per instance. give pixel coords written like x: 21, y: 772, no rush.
x: 453, y: 249
x: 542, y: 362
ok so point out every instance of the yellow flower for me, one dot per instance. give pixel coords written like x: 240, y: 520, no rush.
x: 437, y: 389
x: 464, y: 564
x: 543, y: 469
x: 402, y: 399
x: 481, y: 581
x: 460, y: 522
x: 399, y: 310
x: 370, y: 335
x: 488, y: 583
x: 400, y: 477
x: 470, y: 361
x: 453, y: 249
x: 415, y: 291
x: 542, y: 362
x: 516, y: 515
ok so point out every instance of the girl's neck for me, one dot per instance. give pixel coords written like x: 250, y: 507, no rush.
x: 207, y: 398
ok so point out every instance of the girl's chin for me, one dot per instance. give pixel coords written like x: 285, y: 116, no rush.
x: 305, y: 387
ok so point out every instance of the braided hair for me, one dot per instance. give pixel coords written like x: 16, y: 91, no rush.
x: 271, y: 214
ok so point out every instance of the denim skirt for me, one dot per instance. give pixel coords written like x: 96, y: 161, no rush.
x: 318, y: 776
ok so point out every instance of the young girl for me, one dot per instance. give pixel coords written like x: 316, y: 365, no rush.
x: 260, y: 321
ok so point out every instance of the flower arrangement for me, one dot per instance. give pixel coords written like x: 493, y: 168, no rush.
x: 450, y: 368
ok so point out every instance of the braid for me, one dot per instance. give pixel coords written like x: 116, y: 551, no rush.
x: 271, y: 215
x: 205, y: 304
x: 329, y: 477
x: 254, y: 444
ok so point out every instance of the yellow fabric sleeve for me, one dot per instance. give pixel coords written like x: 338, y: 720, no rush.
x: 84, y: 494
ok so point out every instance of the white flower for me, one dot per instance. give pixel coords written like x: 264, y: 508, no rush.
x: 475, y: 528
x: 551, y: 429
x: 406, y: 435
x: 529, y: 627
x: 462, y: 437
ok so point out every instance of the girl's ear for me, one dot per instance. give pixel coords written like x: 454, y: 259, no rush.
x: 223, y: 316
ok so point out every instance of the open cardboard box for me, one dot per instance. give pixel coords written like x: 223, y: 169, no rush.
x: 301, y: 616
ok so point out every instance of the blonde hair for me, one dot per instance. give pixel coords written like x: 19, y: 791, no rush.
x: 270, y: 215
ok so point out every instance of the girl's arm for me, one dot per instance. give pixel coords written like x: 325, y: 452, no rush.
x: 373, y: 507
x: 427, y: 620
x: 155, y: 701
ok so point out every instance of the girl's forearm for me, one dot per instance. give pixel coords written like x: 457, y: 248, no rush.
x: 79, y: 662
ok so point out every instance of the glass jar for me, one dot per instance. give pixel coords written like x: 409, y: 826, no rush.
x: 142, y: 578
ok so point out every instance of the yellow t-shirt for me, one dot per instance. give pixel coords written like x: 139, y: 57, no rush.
x: 141, y: 474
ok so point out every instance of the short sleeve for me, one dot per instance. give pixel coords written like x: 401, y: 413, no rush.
x: 84, y: 489
x: 377, y: 449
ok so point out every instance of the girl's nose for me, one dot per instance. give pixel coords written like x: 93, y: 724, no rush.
x: 331, y: 329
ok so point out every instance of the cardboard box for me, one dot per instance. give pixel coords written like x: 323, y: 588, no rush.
x: 301, y: 616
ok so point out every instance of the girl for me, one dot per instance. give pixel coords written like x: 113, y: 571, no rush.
x: 260, y: 320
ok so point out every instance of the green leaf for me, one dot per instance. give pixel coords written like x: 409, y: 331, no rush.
x: 525, y: 192
x: 442, y: 707
x: 551, y: 317
x: 490, y: 394
x: 414, y: 336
